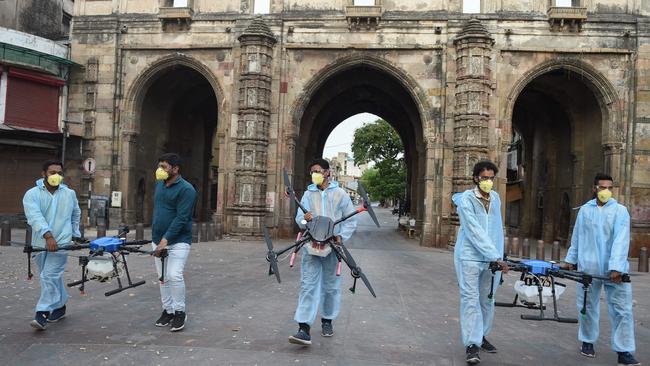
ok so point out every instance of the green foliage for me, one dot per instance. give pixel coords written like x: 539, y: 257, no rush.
x: 378, y: 142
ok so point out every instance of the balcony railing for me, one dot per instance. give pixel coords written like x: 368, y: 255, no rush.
x: 562, y: 17
x: 180, y: 17
x: 363, y: 16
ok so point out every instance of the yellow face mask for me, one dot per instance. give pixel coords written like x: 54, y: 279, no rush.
x: 54, y: 180
x: 317, y: 178
x: 161, y: 174
x: 604, y: 195
x: 486, y: 185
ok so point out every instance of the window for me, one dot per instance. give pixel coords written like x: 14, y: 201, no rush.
x: 471, y: 6
x: 262, y: 6
x: 65, y: 21
x: 364, y: 2
x: 567, y: 3
x: 179, y: 3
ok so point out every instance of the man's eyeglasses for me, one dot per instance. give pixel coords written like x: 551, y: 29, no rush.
x: 600, y: 188
x: 316, y: 171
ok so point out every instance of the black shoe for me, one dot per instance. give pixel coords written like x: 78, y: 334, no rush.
x: 40, y: 320
x: 327, y: 328
x: 178, y: 323
x: 302, y: 337
x: 57, y: 315
x: 472, y: 355
x: 627, y: 359
x: 587, y: 350
x: 488, y: 347
x: 165, y: 319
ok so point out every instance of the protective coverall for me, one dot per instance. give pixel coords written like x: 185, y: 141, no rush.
x: 480, y: 240
x: 59, y: 214
x: 600, y: 244
x: 319, y: 284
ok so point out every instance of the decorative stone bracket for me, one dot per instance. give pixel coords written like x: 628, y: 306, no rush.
x: 561, y: 17
x: 363, y: 16
x: 175, y: 18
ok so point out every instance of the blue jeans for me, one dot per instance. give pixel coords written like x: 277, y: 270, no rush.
x: 53, y: 292
x: 172, y: 291
x: 319, y: 287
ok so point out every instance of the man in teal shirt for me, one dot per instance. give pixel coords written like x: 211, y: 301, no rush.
x: 52, y: 210
x: 172, y: 229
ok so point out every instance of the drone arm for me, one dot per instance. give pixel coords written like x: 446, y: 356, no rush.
x: 294, y: 245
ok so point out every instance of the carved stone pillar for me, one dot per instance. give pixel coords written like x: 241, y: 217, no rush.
x: 252, y: 138
x: 473, y: 87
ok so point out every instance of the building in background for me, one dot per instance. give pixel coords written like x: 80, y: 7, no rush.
x: 33, y: 96
x: 244, y: 88
x: 346, y: 172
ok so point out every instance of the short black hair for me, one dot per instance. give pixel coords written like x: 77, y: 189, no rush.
x: 484, y: 165
x: 320, y: 162
x: 602, y: 176
x: 172, y: 159
x: 52, y: 162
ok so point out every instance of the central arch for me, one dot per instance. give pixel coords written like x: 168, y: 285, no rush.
x: 355, y: 85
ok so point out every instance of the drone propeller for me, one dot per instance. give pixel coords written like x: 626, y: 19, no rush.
x: 271, y: 256
x: 366, y: 204
x: 356, y: 271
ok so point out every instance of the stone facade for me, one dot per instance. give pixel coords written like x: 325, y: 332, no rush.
x: 572, y: 82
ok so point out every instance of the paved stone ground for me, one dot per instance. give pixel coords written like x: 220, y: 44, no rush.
x: 239, y: 316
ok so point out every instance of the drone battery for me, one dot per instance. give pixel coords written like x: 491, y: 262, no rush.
x: 538, y: 267
x: 107, y: 244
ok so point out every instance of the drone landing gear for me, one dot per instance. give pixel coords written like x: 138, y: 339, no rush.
x: 541, y: 315
x: 515, y: 303
x: 121, y: 288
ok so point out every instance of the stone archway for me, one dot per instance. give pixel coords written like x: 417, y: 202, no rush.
x: 171, y: 107
x: 356, y: 84
x: 564, y: 116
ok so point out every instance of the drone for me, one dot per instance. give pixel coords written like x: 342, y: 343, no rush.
x: 319, y: 234
x: 106, y: 260
x: 542, y: 274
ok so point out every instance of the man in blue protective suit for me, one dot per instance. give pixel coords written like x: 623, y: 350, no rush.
x: 53, y: 213
x: 480, y: 241
x: 599, y: 246
x: 319, y: 284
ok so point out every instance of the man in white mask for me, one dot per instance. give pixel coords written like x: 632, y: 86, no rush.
x: 480, y: 241
x: 52, y: 210
x: 599, y: 246
x: 319, y: 284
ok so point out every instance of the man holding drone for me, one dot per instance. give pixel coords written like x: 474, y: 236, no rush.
x: 480, y: 241
x: 319, y: 284
x: 52, y: 210
x: 599, y: 246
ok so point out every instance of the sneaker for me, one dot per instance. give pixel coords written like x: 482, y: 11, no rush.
x: 57, y: 315
x: 626, y: 359
x: 327, y: 328
x: 302, y: 338
x: 488, y: 347
x: 587, y: 350
x: 40, y: 320
x: 472, y: 355
x: 165, y: 319
x: 178, y: 323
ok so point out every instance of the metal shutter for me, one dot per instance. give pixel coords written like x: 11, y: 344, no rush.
x: 32, y: 101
